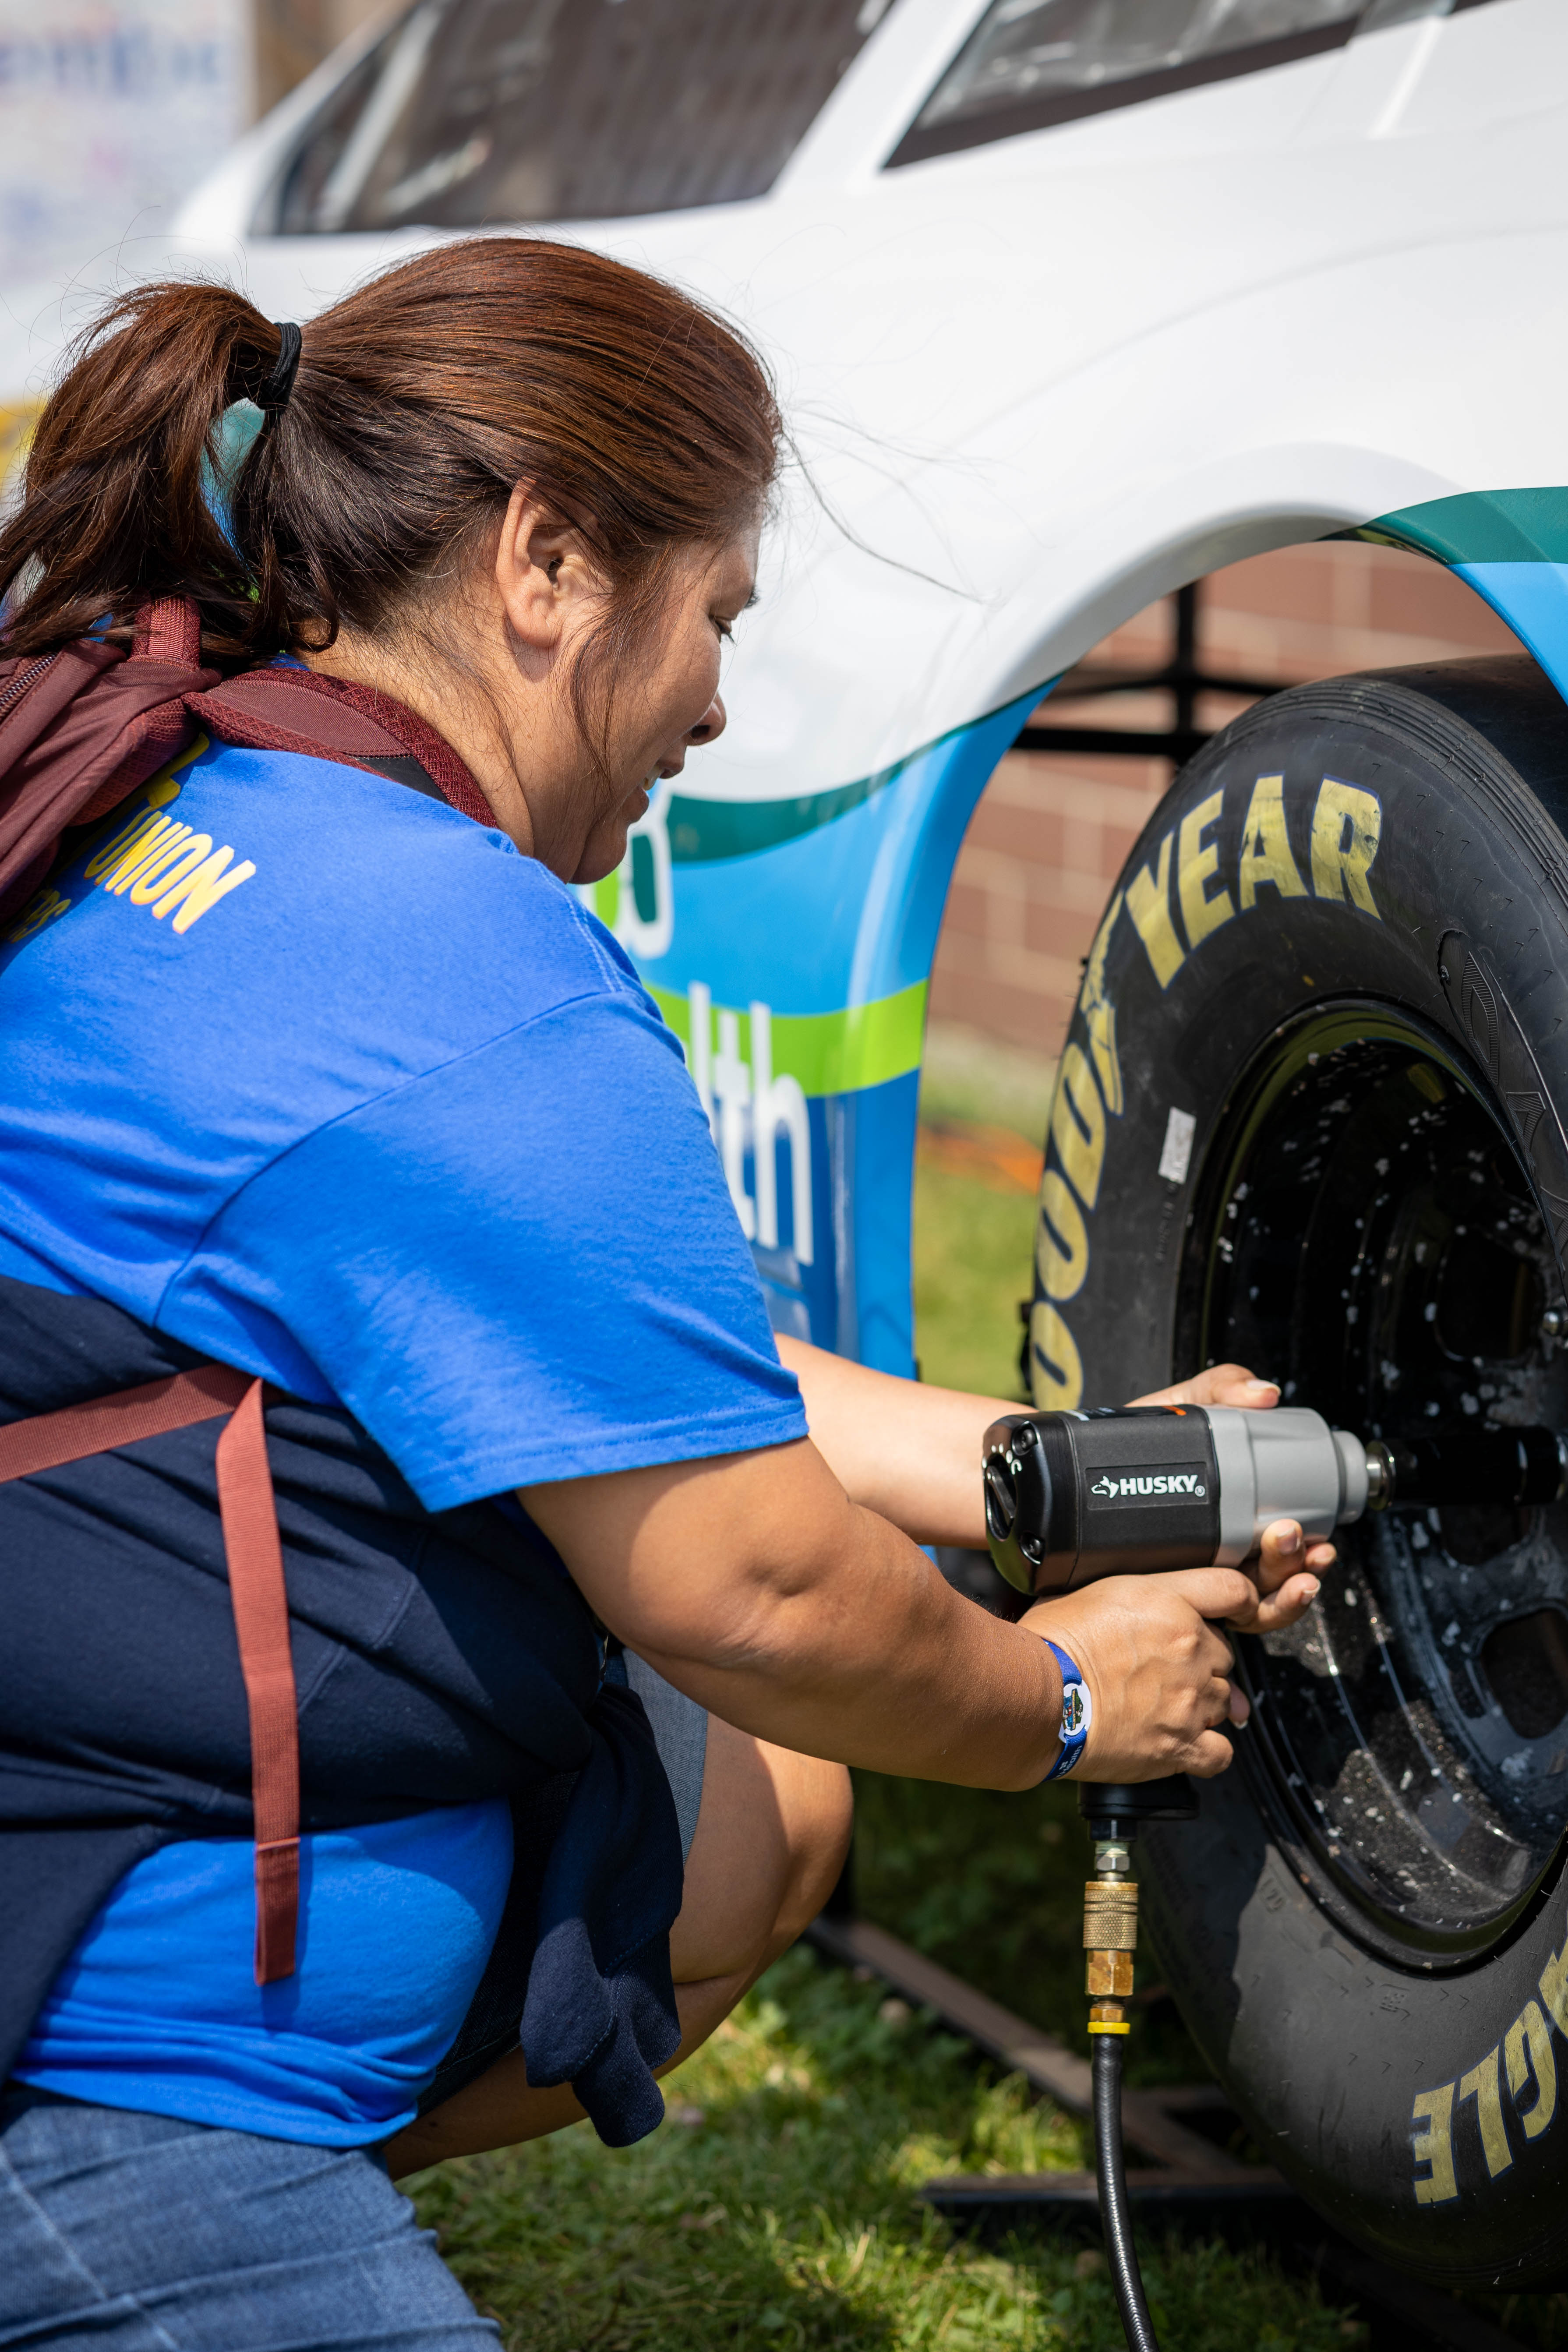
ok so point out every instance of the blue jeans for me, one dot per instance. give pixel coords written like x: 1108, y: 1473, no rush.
x: 123, y: 2232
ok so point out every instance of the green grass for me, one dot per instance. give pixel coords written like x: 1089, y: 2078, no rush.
x: 974, y: 1242
x: 966, y: 1075
x: 775, y: 2210
x: 974, y: 1245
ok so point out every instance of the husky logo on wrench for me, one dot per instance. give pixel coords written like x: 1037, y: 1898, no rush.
x: 1150, y: 1485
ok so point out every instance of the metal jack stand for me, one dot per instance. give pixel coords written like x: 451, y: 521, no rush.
x: 1189, y: 2178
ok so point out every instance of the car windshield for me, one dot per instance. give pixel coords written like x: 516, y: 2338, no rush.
x: 472, y: 112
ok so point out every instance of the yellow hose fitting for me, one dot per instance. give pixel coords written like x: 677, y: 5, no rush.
x: 1105, y: 2017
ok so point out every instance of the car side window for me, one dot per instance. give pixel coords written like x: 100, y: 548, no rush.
x: 474, y: 111
x: 1031, y: 63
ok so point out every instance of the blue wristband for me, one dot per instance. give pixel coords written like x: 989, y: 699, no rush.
x: 1078, y: 1712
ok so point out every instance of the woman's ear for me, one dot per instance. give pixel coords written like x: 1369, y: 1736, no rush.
x: 542, y: 573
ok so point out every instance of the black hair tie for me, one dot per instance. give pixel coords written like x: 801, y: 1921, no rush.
x: 272, y: 393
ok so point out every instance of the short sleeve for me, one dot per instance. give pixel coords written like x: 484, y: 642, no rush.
x: 521, y: 1266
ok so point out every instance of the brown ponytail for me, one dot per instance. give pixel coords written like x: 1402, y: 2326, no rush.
x: 117, y: 491
x: 421, y: 400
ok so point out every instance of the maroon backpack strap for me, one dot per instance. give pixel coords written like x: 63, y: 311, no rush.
x: 19, y: 676
x: 128, y: 1416
x: 89, y: 730
x: 287, y: 710
x: 83, y: 728
x: 257, y: 1589
x: 18, y: 673
x: 267, y: 1661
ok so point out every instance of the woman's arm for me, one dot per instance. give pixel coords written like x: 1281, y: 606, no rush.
x: 912, y: 1452
x: 754, y: 1584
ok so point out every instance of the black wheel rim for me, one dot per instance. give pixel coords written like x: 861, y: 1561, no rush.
x: 1365, y: 1232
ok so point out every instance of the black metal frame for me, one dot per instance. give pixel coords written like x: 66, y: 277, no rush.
x: 1183, y: 678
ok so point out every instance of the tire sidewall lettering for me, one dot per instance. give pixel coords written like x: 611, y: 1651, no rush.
x: 1184, y: 897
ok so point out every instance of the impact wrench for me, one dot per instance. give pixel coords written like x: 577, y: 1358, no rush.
x: 1140, y: 1489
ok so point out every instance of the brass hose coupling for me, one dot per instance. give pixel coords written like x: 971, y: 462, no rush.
x: 1110, y: 1934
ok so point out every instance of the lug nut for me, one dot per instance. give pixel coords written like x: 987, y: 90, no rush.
x: 1379, y: 1475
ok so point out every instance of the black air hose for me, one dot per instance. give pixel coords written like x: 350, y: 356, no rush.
x: 1115, y: 1815
x: 1110, y: 2171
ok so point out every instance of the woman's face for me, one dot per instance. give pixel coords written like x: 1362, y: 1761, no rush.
x: 674, y: 704
x: 527, y: 619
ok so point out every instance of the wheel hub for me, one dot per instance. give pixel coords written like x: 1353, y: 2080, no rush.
x: 1366, y: 1234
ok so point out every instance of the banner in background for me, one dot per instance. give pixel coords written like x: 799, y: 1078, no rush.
x: 109, y: 110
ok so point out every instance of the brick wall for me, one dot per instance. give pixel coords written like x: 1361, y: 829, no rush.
x: 1050, y: 834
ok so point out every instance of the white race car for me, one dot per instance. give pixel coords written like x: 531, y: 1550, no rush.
x: 1073, y: 301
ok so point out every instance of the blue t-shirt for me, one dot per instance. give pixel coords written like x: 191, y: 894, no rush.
x: 317, y: 1076
x: 157, y: 2008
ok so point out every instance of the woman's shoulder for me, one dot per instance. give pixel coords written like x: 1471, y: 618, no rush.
x: 368, y: 864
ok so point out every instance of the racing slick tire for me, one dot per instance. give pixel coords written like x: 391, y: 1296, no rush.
x: 1310, y: 1116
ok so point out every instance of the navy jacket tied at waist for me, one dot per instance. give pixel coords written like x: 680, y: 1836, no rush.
x: 440, y: 1658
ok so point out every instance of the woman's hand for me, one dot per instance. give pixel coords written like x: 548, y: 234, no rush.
x: 1221, y: 1384
x: 1283, y: 1553
x: 1158, y: 1669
